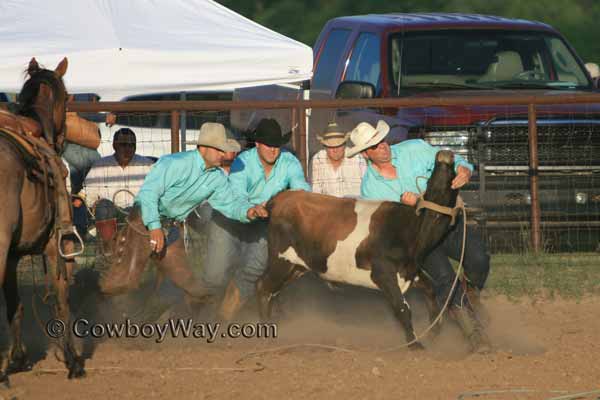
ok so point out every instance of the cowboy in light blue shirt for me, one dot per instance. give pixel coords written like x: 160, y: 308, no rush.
x: 179, y: 182
x: 400, y: 173
x: 416, y: 160
x: 257, y: 175
x: 249, y: 178
x: 175, y: 185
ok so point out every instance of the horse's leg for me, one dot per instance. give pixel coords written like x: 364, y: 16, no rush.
x: 4, y: 326
x: 175, y: 266
x: 60, y: 278
x: 18, y: 359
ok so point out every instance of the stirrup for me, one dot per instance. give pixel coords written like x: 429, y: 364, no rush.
x: 69, y: 231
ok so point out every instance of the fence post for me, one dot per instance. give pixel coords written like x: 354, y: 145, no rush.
x: 302, y: 137
x: 533, y: 181
x: 174, y: 131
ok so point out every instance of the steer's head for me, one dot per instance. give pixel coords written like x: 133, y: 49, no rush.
x: 433, y: 224
x: 439, y: 187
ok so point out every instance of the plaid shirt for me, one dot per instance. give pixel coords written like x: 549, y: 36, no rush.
x: 106, y: 177
x: 344, y: 181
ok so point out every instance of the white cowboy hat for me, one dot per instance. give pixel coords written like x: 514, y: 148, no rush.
x: 365, y: 136
x: 214, y: 135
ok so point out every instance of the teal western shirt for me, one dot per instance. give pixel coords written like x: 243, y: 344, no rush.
x: 247, y: 176
x: 179, y: 182
x: 411, y: 158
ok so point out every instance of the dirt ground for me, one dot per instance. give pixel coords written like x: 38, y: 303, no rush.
x: 545, y: 349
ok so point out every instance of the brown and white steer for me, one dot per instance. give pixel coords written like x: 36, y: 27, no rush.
x: 375, y: 244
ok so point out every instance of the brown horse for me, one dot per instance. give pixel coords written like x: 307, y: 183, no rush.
x: 28, y: 216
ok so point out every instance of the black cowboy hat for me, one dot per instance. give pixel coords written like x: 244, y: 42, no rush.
x: 268, y: 132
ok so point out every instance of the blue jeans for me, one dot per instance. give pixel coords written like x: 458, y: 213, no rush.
x: 476, y: 262
x: 235, y: 251
x: 80, y: 160
x: 80, y: 219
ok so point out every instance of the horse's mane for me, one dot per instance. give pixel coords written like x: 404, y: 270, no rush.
x: 29, y: 106
x: 26, y: 98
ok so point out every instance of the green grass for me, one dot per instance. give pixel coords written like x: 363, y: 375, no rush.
x: 568, y: 275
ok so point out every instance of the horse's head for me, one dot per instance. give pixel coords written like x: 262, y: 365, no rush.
x: 131, y: 253
x: 44, y: 98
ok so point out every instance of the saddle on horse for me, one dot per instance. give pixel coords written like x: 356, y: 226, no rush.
x: 44, y: 165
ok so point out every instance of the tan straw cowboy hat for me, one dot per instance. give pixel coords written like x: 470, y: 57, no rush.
x: 333, y: 136
x: 214, y: 135
x: 365, y: 136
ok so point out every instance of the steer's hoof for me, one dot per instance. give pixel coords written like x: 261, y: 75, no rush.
x: 4, y: 382
x: 76, y: 369
x: 416, y: 346
x: 480, y: 343
x: 19, y: 363
x: 483, y: 348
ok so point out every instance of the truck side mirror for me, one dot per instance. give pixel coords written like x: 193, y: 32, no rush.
x: 355, y: 90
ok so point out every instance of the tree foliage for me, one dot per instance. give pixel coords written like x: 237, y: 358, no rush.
x: 578, y: 20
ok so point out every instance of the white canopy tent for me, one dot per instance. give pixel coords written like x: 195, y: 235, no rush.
x: 118, y: 48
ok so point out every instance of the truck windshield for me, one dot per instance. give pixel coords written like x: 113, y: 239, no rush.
x: 482, y: 59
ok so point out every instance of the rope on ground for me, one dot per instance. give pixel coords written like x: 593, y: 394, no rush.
x: 257, y: 368
x: 575, y: 396
x: 571, y: 396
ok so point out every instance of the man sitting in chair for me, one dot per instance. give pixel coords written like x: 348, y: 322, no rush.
x: 114, y: 181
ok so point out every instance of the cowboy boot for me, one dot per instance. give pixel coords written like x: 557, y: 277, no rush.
x: 472, y: 329
x: 231, y: 303
x: 106, y: 231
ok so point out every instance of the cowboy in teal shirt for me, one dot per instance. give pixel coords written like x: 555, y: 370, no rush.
x: 412, y: 159
x: 257, y: 175
x: 394, y: 173
x: 175, y: 185
x: 249, y: 180
x: 179, y: 182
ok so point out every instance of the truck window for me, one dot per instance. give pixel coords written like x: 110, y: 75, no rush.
x: 564, y: 62
x: 482, y: 59
x: 329, y: 59
x: 365, y: 62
